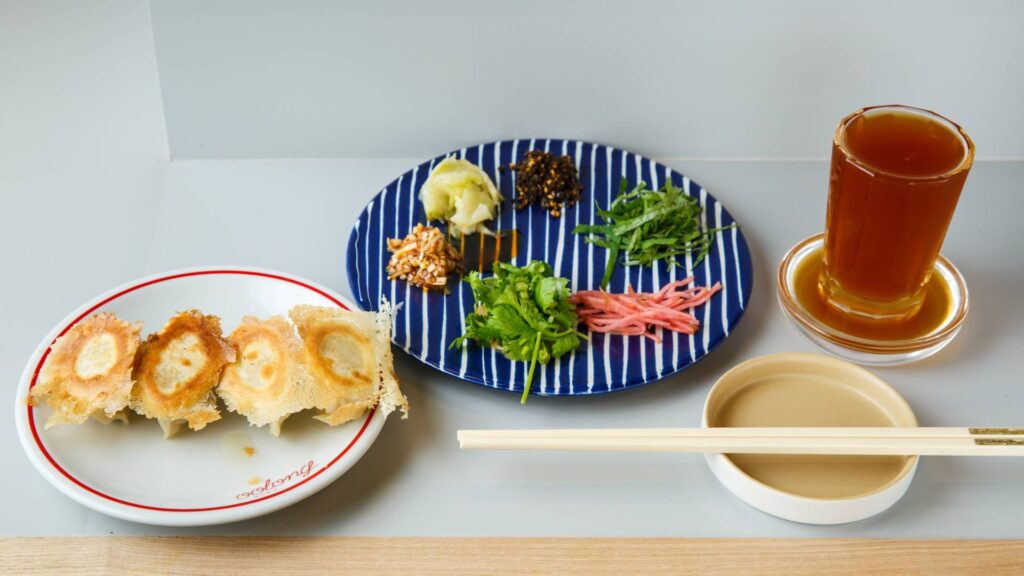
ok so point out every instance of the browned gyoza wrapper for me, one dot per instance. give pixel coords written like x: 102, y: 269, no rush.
x: 88, y: 371
x: 176, y: 370
x: 349, y: 357
x: 269, y: 381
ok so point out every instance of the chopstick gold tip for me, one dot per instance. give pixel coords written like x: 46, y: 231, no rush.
x: 995, y: 431
x: 998, y: 442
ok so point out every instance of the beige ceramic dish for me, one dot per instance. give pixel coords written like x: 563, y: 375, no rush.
x: 797, y: 389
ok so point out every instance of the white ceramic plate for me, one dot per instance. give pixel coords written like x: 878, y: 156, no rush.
x: 196, y: 478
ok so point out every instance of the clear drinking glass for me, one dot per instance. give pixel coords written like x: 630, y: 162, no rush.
x: 895, y: 180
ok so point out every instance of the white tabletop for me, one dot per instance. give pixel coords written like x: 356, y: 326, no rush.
x: 65, y: 245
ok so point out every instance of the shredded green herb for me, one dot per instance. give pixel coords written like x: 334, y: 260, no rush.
x: 524, y: 312
x: 647, y: 225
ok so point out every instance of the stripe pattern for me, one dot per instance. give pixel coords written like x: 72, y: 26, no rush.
x: 427, y: 322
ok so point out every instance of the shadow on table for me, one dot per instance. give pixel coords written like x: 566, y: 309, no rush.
x: 988, y: 321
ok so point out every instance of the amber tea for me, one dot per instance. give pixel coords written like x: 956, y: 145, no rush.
x: 895, y: 181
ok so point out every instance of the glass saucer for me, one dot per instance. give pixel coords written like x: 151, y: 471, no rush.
x: 868, y: 351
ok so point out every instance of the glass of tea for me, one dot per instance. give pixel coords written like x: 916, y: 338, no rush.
x: 895, y: 179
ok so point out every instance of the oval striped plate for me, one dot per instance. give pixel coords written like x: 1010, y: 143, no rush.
x: 427, y: 322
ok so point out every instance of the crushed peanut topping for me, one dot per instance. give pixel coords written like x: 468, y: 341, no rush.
x: 424, y: 258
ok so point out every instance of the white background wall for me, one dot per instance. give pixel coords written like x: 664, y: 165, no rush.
x: 739, y: 78
x: 81, y: 126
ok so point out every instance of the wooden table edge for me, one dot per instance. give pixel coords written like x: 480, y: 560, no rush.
x: 494, y: 555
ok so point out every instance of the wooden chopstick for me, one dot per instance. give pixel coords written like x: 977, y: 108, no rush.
x: 760, y: 432
x: 847, y: 441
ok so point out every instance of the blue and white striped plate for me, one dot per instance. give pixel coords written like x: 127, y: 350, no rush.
x: 427, y: 322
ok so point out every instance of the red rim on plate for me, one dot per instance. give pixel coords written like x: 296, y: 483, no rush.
x: 90, y: 310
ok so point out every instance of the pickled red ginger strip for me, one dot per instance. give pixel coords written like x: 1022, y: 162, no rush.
x: 642, y: 313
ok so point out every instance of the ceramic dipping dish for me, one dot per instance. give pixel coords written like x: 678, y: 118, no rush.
x: 799, y: 389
